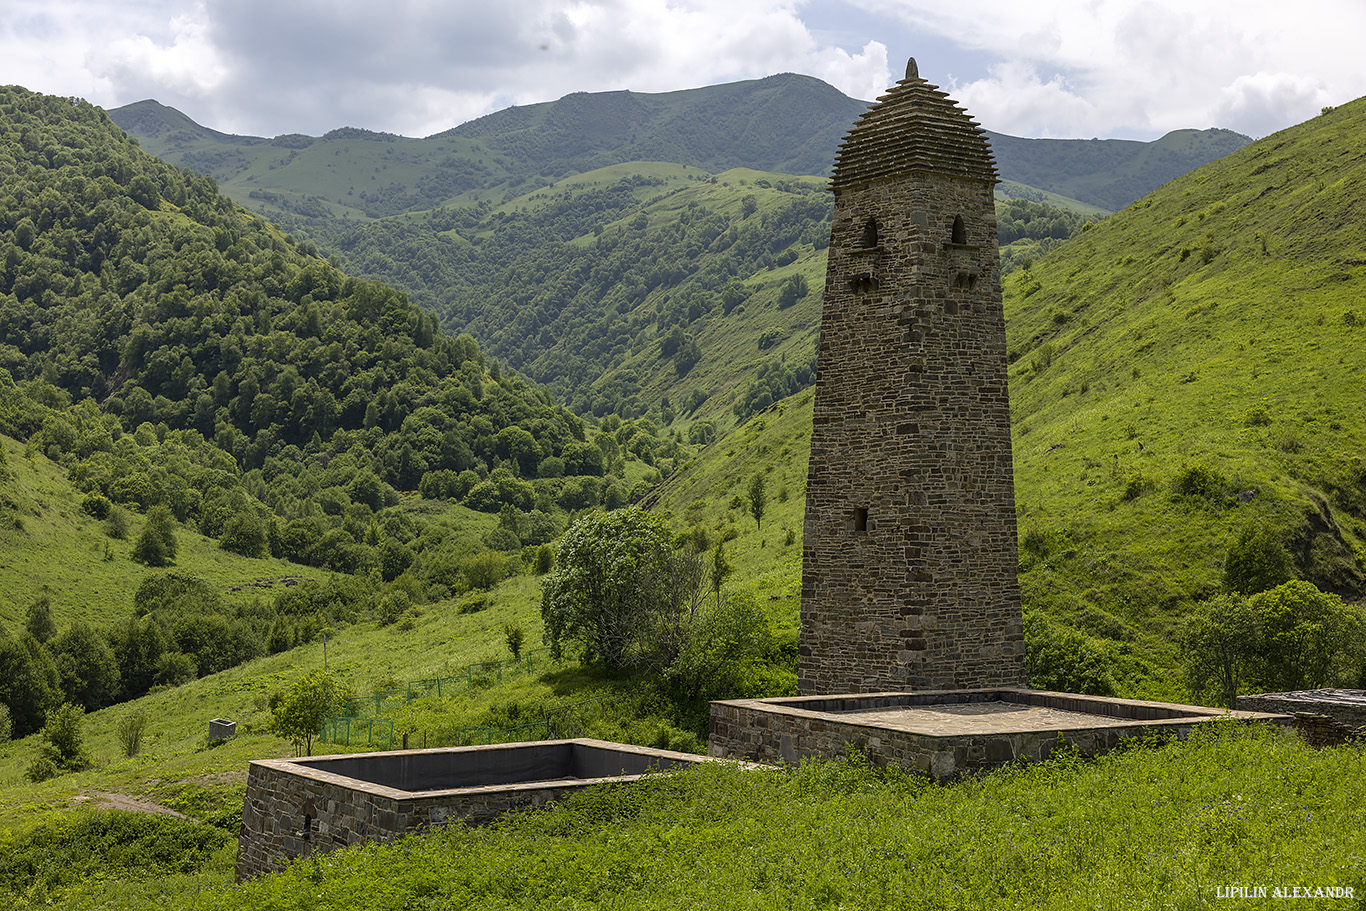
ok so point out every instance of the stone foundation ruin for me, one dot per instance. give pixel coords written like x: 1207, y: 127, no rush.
x: 298, y: 807
x: 946, y: 733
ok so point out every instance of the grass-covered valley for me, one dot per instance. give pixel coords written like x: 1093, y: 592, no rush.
x: 225, y: 457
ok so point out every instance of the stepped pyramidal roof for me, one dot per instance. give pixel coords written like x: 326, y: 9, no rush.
x: 914, y: 127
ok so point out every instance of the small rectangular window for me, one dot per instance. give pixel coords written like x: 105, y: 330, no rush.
x: 861, y: 519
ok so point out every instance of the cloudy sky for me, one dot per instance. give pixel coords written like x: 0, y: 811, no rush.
x: 1049, y: 68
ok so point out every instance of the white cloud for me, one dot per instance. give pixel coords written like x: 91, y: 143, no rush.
x: 1050, y: 67
x: 864, y: 75
x: 1262, y: 103
x: 180, y: 60
x: 1014, y: 99
x: 1143, y: 67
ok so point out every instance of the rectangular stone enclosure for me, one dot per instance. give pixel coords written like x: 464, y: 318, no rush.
x: 946, y: 733
x: 297, y: 807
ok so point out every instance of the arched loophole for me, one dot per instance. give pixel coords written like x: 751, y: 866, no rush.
x: 960, y: 231
x: 869, y: 233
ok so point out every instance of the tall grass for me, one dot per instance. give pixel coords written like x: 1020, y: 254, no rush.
x: 1149, y: 827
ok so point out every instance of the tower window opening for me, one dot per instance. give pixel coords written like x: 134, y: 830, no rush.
x: 960, y: 231
x: 861, y: 519
x: 870, y: 233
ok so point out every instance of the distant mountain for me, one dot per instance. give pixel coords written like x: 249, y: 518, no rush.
x: 1109, y: 173
x: 787, y: 123
x: 576, y: 239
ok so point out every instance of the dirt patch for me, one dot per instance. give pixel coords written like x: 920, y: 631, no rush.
x: 108, y: 800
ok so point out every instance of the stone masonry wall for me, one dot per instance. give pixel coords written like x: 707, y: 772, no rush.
x: 1351, y: 712
x: 769, y: 731
x: 909, y: 551
x: 287, y: 816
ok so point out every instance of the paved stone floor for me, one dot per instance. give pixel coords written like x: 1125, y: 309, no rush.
x: 980, y: 718
x: 1346, y: 697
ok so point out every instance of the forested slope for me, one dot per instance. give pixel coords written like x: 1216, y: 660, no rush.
x: 170, y: 349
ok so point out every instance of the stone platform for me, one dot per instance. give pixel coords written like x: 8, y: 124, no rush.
x: 947, y: 733
x: 298, y: 807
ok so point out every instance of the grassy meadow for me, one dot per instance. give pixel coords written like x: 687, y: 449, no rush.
x: 1153, y: 826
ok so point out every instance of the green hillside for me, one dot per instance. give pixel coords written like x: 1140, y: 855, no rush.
x: 1188, y: 371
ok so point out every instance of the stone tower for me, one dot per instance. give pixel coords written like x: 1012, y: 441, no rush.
x: 909, y: 555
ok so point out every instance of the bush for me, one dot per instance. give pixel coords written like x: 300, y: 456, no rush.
x: 485, y: 570
x: 63, y: 743
x: 514, y: 636
x: 245, y: 534
x: 1256, y: 562
x: 175, y: 668
x: 6, y: 724
x: 156, y: 545
x: 131, y: 728
x: 41, y: 769
x: 1199, y: 482
x: 393, y: 606
x: 1064, y: 660
x: 793, y: 290
x: 116, y: 524
x: 96, y: 506
x: 38, y: 620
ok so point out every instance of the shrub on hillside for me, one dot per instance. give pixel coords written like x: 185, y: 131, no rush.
x: 485, y: 570
x: 1198, y: 482
x: 96, y: 506
x: 1256, y: 561
x: 1064, y: 660
x: 130, y: 731
x: 63, y: 746
x: 392, y: 606
x: 245, y: 534
x: 116, y: 523
x: 38, y: 620
x: 156, y: 545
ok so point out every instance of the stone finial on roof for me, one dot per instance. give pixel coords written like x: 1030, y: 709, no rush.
x: 914, y: 127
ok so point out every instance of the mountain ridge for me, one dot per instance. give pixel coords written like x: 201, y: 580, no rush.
x: 786, y: 123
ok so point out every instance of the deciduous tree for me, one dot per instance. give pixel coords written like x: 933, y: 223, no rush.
x: 298, y: 712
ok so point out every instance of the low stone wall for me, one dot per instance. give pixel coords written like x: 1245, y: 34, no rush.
x: 789, y: 730
x: 1322, y: 731
x: 297, y: 807
x: 1345, y: 706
